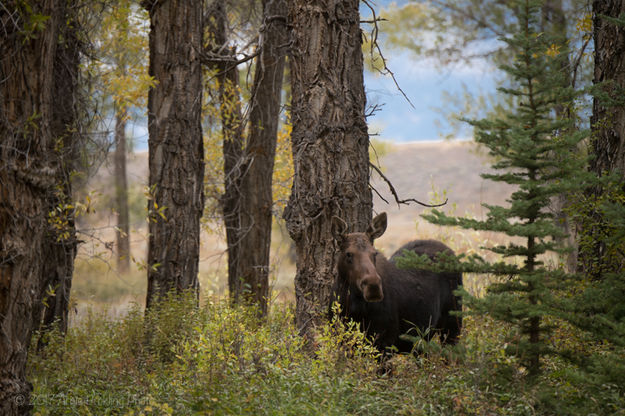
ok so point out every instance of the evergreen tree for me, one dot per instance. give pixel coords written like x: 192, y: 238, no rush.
x: 599, y: 309
x: 535, y: 148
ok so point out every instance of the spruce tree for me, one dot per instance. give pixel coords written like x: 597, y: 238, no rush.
x: 535, y: 149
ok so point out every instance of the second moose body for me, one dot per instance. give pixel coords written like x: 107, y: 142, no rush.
x: 387, y: 301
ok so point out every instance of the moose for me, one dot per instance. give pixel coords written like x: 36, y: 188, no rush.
x: 388, y: 301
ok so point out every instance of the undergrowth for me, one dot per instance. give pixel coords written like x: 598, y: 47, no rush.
x: 220, y: 359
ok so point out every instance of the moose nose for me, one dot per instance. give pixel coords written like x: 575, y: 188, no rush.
x: 372, y: 289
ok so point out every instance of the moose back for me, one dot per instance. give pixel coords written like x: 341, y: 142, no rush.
x: 387, y: 301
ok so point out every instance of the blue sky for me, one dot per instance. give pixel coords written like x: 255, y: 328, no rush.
x: 424, y: 84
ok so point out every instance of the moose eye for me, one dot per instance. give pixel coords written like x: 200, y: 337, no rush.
x: 348, y: 257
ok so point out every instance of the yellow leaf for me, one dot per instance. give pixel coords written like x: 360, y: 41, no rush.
x: 553, y: 51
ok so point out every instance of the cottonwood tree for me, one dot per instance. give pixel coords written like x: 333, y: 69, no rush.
x: 330, y: 145
x: 598, y: 308
x: 608, y: 118
x: 38, y: 72
x: 221, y: 58
x: 176, y: 153
x: 67, y: 128
x: 247, y: 201
x: 256, y: 203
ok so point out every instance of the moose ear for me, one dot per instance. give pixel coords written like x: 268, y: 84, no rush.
x: 339, y: 229
x: 377, y: 227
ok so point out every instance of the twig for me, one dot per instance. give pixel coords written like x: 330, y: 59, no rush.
x: 394, y: 192
x: 578, y: 61
x: 209, y: 58
x: 379, y: 194
x: 374, y: 44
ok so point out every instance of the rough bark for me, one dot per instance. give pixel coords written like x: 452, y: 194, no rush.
x: 62, y: 243
x: 330, y: 145
x: 29, y: 175
x: 122, y: 232
x: 176, y: 153
x: 607, y: 139
x: 252, y: 277
x: 231, y: 122
x: 608, y: 119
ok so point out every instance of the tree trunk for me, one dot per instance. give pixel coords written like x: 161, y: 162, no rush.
x: 122, y: 232
x: 176, y: 152
x: 608, y: 119
x: 29, y: 175
x: 231, y: 124
x: 258, y: 159
x: 330, y: 145
x: 232, y: 130
x: 61, y: 246
x: 608, y: 137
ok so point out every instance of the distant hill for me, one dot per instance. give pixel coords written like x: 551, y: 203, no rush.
x: 415, y: 169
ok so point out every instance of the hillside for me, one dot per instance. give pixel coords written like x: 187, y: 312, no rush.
x: 425, y: 170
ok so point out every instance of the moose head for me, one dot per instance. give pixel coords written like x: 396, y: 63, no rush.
x: 357, y: 259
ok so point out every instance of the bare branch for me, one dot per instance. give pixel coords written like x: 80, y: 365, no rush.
x: 578, y: 61
x: 374, y: 45
x: 394, y: 192
x: 380, y: 195
x: 209, y: 58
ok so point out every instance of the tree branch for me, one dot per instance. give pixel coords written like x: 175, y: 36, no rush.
x: 394, y: 192
x: 374, y: 45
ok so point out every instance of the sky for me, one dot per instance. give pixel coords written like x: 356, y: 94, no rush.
x: 425, y: 85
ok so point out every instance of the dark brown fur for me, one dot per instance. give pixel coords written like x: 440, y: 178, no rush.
x: 387, y: 301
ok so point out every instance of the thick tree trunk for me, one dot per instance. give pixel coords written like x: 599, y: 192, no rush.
x: 61, y: 247
x: 176, y: 153
x: 258, y: 159
x: 122, y: 232
x: 29, y: 174
x: 608, y: 136
x: 608, y: 119
x: 330, y: 145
